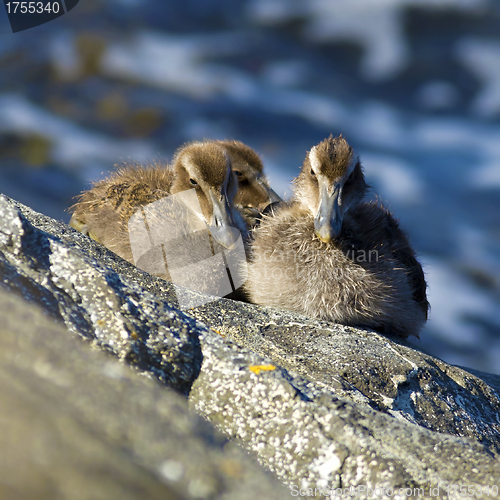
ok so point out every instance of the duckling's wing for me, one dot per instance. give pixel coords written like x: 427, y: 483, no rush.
x: 102, y: 212
x: 373, y: 223
x: 405, y: 255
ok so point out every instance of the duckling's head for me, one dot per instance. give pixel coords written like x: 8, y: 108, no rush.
x: 330, y: 183
x: 206, y: 167
x: 253, y: 187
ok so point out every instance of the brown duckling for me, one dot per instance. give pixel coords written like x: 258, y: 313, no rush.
x: 253, y: 187
x: 104, y: 211
x: 329, y: 255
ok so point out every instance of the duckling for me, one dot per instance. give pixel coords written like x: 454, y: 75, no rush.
x: 103, y: 212
x: 330, y: 255
x: 253, y: 187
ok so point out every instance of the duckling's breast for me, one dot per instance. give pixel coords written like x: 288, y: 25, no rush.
x: 347, y: 280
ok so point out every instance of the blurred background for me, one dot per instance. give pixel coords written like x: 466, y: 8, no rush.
x: 414, y: 85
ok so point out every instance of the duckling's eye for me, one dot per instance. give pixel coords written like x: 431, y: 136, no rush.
x: 242, y: 179
x: 193, y: 182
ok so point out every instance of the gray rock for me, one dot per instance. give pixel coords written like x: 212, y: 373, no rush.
x: 363, y: 366
x: 78, y: 424
x: 93, y: 301
x: 321, y: 405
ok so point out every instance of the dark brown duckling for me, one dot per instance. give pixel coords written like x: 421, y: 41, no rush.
x: 254, y: 192
x: 329, y: 255
x: 253, y: 187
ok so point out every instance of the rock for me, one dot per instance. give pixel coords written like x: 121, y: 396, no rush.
x: 89, y: 299
x: 365, y: 367
x: 321, y: 405
x: 77, y: 424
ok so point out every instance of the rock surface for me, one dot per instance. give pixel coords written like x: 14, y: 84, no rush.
x: 78, y: 424
x: 319, y: 404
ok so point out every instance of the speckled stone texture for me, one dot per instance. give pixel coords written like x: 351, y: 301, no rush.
x: 78, y: 424
x: 319, y: 404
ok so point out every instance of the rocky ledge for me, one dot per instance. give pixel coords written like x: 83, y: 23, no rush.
x: 319, y: 405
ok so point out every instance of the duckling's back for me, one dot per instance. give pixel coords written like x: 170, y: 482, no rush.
x: 103, y: 211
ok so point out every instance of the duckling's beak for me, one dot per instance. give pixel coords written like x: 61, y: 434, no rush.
x: 221, y: 225
x: 328, y: 221
x: 273, y: 197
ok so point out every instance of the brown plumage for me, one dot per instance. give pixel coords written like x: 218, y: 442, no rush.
x: 329, y: 255
x: 104, y: 211
x: 253, y: 187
